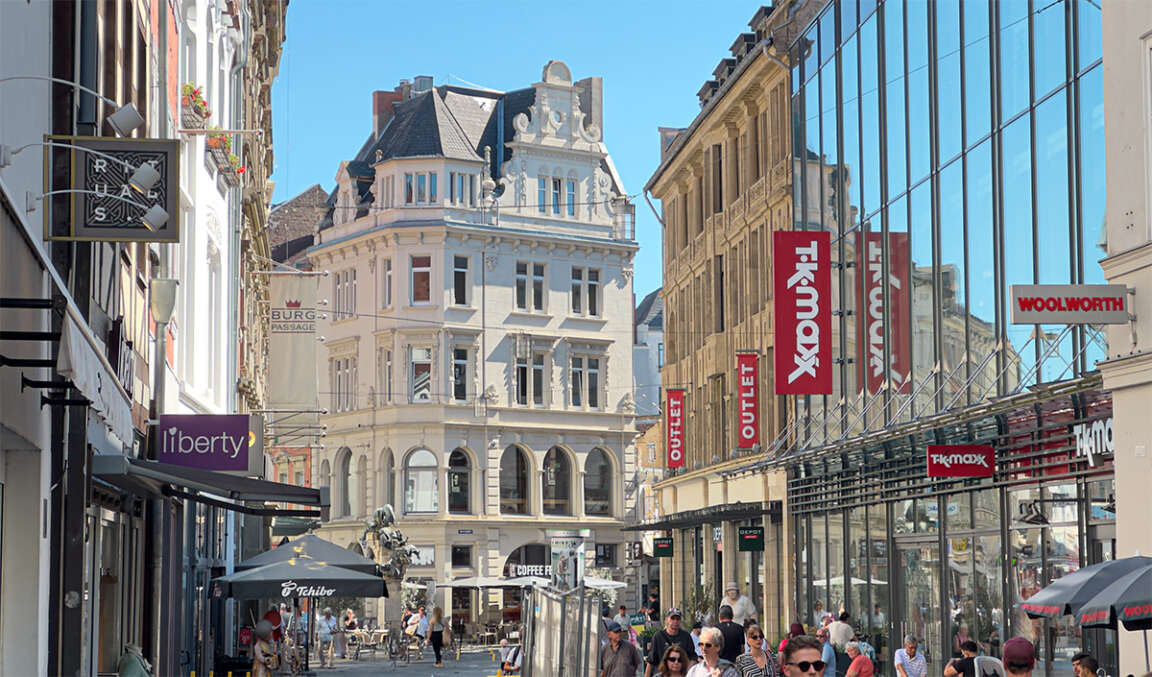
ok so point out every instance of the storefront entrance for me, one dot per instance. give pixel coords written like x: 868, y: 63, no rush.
x: 917, y: 599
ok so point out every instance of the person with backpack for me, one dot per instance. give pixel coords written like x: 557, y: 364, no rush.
x: 671, y: 634
x: 511, y: 664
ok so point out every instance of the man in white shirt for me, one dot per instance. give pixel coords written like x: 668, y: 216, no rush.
x: 840, y: 632
x: 909, y: 662
x: 622, y: 619
x: 743, y: 608
x: 325, y: 630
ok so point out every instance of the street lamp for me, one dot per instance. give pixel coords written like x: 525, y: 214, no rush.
x: 154, y: 216
x: 124, y: 121
x: 143, y: 177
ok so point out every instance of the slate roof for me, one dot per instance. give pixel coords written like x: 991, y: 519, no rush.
x: 651, y: 310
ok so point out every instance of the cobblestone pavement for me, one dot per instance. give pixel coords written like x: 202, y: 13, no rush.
x: 475, y: 663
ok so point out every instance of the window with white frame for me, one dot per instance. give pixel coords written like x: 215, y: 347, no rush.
x: 344, y: 294
x: 342, y: 377
x: 462, y: 189
x: 420, y: 188
x: 386, y: 283
x: 542, y: 195
x: 585, y: 291
x: 421, y: 281
x: 460, y: 374
x: 531, y: 379
x: 461, y: 280
x: 584, y: 380
x: 571, y: 183
x: 383, y: 375
x: 557, y: 196
x: 388, y: 192
x: 421, y: 376
x: 530, y: 286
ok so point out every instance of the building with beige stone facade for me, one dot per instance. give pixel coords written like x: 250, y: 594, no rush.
x: 725, y: 185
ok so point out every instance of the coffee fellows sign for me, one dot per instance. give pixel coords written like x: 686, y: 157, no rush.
x: 95, y: 202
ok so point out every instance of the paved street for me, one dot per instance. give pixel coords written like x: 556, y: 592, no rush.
x: 471, y: 664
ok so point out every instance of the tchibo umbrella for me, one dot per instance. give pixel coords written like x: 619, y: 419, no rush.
x: 299, y: 577
x: 1127, y: 600
x: 312, y: 547
x: 1069, y: 594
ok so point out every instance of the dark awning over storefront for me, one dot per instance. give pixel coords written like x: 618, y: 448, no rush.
x: 151, y: 478
x: 713, y: 514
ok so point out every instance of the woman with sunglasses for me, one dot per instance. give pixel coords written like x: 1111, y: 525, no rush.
x: 674, y: 663
x: 801, y: 658
x: 712, y: 665
x: 757, y: 662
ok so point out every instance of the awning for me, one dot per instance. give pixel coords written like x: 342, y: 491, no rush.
x: 149, y: 477
x: 89, y: 372
x: 713, y: 514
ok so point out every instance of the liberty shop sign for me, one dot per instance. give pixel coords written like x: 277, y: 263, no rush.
x: 225, y: 442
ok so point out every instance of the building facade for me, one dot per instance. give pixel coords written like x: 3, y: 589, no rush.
x: 1128, y: 369
x: 477, y: 354
x: 724, y: 187
x: 952, y: 150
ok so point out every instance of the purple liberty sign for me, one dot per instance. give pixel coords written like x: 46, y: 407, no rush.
x: 205, y: 441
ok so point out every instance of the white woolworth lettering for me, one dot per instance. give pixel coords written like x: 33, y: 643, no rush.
x: 807, y: 357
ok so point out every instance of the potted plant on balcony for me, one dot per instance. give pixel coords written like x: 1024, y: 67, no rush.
x: 232, y: 171
x: 219, y: 145
x: 193, y: 108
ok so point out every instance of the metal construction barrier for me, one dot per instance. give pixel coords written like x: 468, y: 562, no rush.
x: 562, y: 633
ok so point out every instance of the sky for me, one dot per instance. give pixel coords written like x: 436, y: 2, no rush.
x: 653, y: 57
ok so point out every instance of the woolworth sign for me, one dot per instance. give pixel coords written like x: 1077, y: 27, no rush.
x: 1069, y: 304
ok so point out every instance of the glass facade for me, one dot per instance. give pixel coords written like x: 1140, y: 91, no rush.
x: 953, y: 149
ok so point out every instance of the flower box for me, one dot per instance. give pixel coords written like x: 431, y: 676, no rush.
x: 230, y: 177
x: 192, y: 116
x: 218, y: 147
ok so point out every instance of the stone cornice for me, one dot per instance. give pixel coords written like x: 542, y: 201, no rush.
x: 1127, y: 262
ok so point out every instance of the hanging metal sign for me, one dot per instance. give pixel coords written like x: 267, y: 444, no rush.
x: 802, y: 283
x: 115, y: 212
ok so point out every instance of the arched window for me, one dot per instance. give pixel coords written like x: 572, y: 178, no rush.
x: 459, y: 483
x: 387, y: 479
x: 514, y: 482
x: 557, y: 483
x: 361, y: 502
x: 421, y: 493
x: 343, y: 471
x: 598, y: 484
x: 325, y: 478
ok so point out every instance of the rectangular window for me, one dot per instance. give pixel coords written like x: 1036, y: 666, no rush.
x: 606, y: 555
x: 538, y: 286
x: 421, y: 279
x: 577, y: 290
x: 522, y: 285
x: 409, y: 193
x: 299, y: 478
x: 471, y: 190
x: 659, y: 354
x: 462, y: 556
x: 593, y: 383
x: 387, y: 290
x: 388, y: 375
x: 718, y: 291
x: 453, y: 194
x: 717, y: 179
x: 522, y: 380
x: 538, y: 379
x: 577, y: 380
x: 460, y: 280
x: 432, y: 194
x: 557, y: 196
x: 460, y: 374
x: 593, y: 292
x: 421, y: 188
x: 571, y: 197
x: 421, y: 374
x: 542, y: 194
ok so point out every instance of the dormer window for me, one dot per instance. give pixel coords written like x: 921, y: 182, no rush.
x: 420, y: 188
x: 462, y: 189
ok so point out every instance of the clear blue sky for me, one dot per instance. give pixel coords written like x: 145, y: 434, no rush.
x: 653, y: 57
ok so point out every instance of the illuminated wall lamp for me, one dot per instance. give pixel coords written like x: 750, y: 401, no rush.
x: 143, y: 177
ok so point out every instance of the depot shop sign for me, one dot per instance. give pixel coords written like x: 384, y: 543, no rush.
x: 748, y: 400
x: 1069, y: 304
x: 802, y: 282
x: 961, y: 460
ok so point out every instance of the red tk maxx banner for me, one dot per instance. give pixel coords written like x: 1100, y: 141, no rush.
x: 747, y: 400
x: 674, y: 415
x: 802, y: 282
x: 961, y: 460
x: 871, y: 331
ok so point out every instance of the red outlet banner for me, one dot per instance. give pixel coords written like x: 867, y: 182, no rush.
x: 961, y: 460
x: 674, y: 415
x: 871, y: 330
x: 747, y: 400
x: 802, y: 282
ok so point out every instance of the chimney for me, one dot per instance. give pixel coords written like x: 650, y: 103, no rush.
x: 591, y: 92
x: 382, y: 109
x: 404, y: 89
